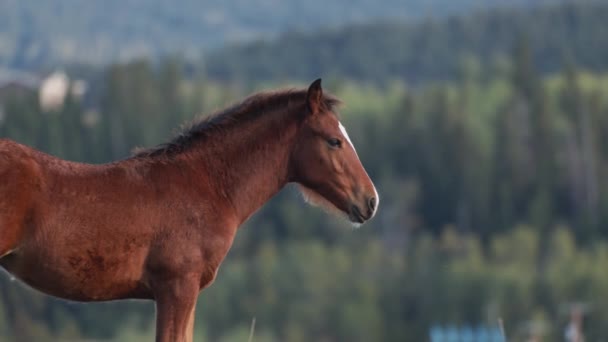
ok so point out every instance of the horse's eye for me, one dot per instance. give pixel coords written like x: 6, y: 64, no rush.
x: 335, y: 143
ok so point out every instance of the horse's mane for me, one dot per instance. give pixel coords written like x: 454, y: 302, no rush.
x: 252, y: 108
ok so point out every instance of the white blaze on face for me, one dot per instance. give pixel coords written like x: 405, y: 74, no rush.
x: 345, y: 134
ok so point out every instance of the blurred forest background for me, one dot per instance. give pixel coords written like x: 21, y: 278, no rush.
x: 484, y: 127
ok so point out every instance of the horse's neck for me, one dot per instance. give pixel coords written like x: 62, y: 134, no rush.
x: 253, y: 168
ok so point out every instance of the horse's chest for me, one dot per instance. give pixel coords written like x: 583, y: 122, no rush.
x: 176, y: 255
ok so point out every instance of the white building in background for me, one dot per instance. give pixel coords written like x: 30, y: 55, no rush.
x: 55, y: 88
x: 53, y: 91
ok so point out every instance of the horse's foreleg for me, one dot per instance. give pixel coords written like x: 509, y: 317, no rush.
x: 175, y: 304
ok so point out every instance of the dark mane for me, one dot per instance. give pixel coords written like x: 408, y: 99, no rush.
x: 249, y: 109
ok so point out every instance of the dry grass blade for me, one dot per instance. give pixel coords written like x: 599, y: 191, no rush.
x: 251, y: 330
x: 502, y: 329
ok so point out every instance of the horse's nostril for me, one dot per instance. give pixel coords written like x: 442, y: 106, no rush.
x: 372, y: 204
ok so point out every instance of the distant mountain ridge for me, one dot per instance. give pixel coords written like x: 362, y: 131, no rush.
x: 435, y: 49
x: 35, y: 33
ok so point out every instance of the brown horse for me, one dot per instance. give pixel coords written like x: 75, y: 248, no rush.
x: 158, y: 225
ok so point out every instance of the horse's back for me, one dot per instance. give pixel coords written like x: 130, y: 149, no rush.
x: 21, y: 170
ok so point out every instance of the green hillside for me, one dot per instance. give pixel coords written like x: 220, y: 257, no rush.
x: 490, y: 162
x: 494, y: 205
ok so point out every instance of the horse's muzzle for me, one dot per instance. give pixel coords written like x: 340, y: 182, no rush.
x: 358, y: 215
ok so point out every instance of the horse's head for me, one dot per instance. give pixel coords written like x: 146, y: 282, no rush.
x: 325, y: 164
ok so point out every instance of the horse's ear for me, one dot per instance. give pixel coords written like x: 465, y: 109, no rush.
x: 315, y: 96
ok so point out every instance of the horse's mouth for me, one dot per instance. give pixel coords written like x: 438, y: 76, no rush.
x: 356, y: 216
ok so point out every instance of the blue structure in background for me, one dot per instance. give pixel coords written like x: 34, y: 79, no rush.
x: 451, y: 333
